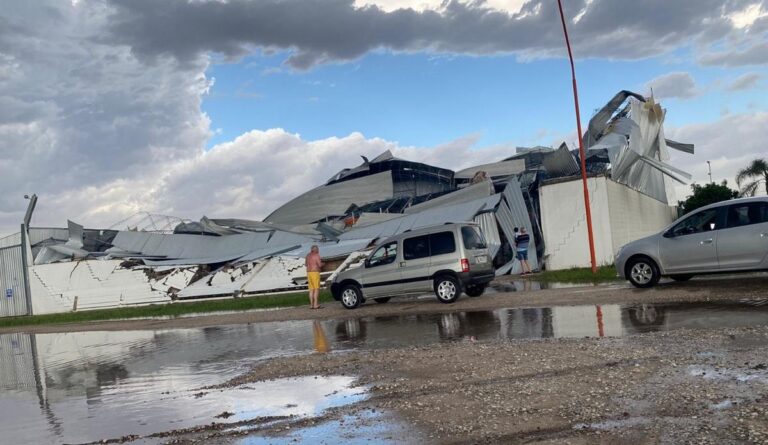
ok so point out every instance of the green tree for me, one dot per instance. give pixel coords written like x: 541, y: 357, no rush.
x: 706, y: 194
x: 749, y: 178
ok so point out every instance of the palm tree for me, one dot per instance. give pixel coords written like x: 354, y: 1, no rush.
x: 752, y: 176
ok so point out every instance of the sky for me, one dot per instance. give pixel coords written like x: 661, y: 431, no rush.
x: 229, y: 108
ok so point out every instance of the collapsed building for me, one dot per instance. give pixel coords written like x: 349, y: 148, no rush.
x: 48, y: 270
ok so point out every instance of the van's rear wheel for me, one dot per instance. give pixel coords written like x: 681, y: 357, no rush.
x: 351, y: 296
x: 382, y: 300
x: 642, y: 272
x: 475, y: 290
x: 447, y: 289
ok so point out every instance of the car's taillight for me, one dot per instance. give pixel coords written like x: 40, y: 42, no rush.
x: 464, y: 265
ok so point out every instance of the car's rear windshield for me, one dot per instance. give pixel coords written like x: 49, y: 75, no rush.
x: 473, y: 239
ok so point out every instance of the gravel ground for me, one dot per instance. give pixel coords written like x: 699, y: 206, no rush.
x: 691, y: 386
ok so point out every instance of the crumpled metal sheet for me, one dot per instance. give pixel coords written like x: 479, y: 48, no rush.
x: 487, y: 222
x: 480, y: 190
x: 333, y: 200
x: 560, y: 163
x: 461, y: 212
x: 493, y: 170
x: 513, y: 212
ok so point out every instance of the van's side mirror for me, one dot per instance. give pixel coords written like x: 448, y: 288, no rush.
x: 668, y: 234
x: 367, y: 263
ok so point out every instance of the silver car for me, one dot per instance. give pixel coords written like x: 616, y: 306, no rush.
x: 446, y: 259
x: 729, y: 236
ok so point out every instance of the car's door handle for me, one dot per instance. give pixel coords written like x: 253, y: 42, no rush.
x: 706, y: 241
x: 402, y: 263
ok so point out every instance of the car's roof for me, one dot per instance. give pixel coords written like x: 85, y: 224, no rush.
x: 735, y: 201
x: 428, y: 229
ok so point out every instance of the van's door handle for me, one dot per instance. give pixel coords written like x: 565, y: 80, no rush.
x: 764, y: 235
x: 707, y: 241
x: 402, y: 263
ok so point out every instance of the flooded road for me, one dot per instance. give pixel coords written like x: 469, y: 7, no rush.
x: 87, y: 386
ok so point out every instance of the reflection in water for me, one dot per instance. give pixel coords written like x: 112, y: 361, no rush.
x: 85, y: 386
x: 321, y: 342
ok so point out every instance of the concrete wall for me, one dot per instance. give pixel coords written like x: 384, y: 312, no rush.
x: 635, y: 215
x: 619, y: 215
x: 564, y: 225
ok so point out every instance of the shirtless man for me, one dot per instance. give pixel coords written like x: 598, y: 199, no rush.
x: 314, y: 265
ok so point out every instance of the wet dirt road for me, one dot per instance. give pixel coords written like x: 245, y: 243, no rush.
x: 677, y: 364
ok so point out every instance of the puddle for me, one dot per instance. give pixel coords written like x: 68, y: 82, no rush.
x: 86, y: 386
x: 367, y: 427
x: 525, y: 285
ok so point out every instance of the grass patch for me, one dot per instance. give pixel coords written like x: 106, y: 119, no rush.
x: 578, y: 275
x: 168, y: 310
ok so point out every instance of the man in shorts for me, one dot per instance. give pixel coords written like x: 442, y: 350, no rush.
x: 314, y: 265
x: 522, y: 240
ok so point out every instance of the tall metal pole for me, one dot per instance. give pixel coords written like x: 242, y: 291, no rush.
x: 581, y: 145
x: 710, y: 171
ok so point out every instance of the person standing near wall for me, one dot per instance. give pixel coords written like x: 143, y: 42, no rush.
x: 313, y: 265
x: 521, y: 241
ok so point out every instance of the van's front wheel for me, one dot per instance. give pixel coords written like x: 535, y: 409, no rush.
x: 351, y: 296
x: 447, y: 289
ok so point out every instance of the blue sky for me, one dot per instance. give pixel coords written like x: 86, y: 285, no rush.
x: 426, y: 100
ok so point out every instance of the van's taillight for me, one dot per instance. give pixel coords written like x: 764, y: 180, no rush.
x: 464, y: 265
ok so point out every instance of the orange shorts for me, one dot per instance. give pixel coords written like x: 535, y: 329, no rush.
x: 314, y: 280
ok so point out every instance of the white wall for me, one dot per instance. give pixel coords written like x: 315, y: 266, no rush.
x: 619, y: 215
x: 564, y: 225
x: 635, y: 215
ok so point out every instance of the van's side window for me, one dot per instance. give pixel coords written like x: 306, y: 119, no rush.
x: 415, y: 248
x: 473, y: 239
x: 442, y: 243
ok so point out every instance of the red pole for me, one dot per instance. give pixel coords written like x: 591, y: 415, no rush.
x: 581, y: 145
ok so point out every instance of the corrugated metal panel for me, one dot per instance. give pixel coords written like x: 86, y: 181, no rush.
x: 11, y: 240
x: 490, y: 229
x: 515, y: 214
x: 334, y: 250
x: 13, y: 299
x: 560, y: 163
x: 493, y: 170
x: 333, y: 199
x: 38, y: 234
x: 17, y: 364
x: 471, y: 193
x: 449, y: 213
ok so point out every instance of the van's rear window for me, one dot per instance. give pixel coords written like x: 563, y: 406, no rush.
x: 473, y: 239
x: 442, y: 243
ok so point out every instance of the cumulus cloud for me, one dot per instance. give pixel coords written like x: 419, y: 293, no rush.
x: 673, y: 85
x: 753, y: 54
x: 744, y: 82
x: 318, y: 31
x: 729, y: 144
x: 247, y: 177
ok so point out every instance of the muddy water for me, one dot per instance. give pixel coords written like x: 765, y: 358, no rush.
x: 87, y: 386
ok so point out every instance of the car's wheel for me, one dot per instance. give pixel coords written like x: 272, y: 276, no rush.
x: 382, y: 300
x: 475, y: 290
x: 681, y: 277
x: 447, y: 289
x: 351, y: 296
x: 642, y: 272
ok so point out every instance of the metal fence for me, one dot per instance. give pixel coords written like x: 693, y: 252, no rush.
x: 13, y: 296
